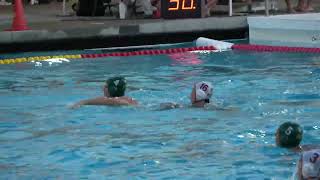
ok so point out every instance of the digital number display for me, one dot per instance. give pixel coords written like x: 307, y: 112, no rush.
x: 173, y: 9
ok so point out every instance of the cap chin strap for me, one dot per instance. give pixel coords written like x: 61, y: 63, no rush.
x: 198, y: 101
x: 309, y: 178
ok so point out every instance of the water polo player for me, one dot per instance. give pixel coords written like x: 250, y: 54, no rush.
x: 114, y: 94
x: 200, y: 96
x: 309, y: 165
x: 289, y: 135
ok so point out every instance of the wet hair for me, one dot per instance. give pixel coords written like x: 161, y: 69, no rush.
x: 290, y: 134
x: 116, y: 86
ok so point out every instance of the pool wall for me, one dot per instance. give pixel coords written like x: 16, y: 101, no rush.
x: 286, y: 30
x: 85, y: 36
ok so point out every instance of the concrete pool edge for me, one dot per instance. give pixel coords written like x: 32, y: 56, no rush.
x: 171, y: 31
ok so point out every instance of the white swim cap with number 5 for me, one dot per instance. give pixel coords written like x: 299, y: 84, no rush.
x: 203, y: 90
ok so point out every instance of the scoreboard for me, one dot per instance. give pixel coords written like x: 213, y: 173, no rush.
x: 174, y: 9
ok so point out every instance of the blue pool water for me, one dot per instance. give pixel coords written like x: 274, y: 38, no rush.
x: 41, y: 138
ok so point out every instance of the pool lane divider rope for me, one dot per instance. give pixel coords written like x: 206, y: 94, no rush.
x: 265, y: 48
x: 150, y: 52
x: 113, y: 54
x: 210, y: 45
x: 37, y: 58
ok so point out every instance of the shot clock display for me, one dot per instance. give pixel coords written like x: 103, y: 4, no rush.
x: 173, y: 9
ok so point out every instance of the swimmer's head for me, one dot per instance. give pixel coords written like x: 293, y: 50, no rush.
x: 201, y: 93
x: 115, y: 87
x: 309, y: 165
x: 289, y: 135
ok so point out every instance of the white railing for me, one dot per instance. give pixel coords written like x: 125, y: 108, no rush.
x: 266, y: 7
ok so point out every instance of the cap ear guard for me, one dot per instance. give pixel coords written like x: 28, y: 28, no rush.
x: 116, y: 86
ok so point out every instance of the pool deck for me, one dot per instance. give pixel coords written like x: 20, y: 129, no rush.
x: 49, y: 30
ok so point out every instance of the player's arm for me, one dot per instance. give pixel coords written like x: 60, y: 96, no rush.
x: 102, y: 101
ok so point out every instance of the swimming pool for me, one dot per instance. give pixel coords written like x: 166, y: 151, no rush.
x: 41, y: 138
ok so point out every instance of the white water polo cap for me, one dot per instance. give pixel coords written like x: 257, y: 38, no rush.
x: 203, y: 90
x: 311, y: 164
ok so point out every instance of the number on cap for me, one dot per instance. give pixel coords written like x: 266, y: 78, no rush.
x: 289, y: 130
x: 204, y: 87
x: 314, y: 158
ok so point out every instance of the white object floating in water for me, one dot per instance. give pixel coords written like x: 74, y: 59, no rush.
x: 38, y: 64
x: 51, y: 61
x: 57, y: 60
x: 219, y: 45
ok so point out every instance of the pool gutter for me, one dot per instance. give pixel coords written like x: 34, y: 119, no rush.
x: 166, y: 31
